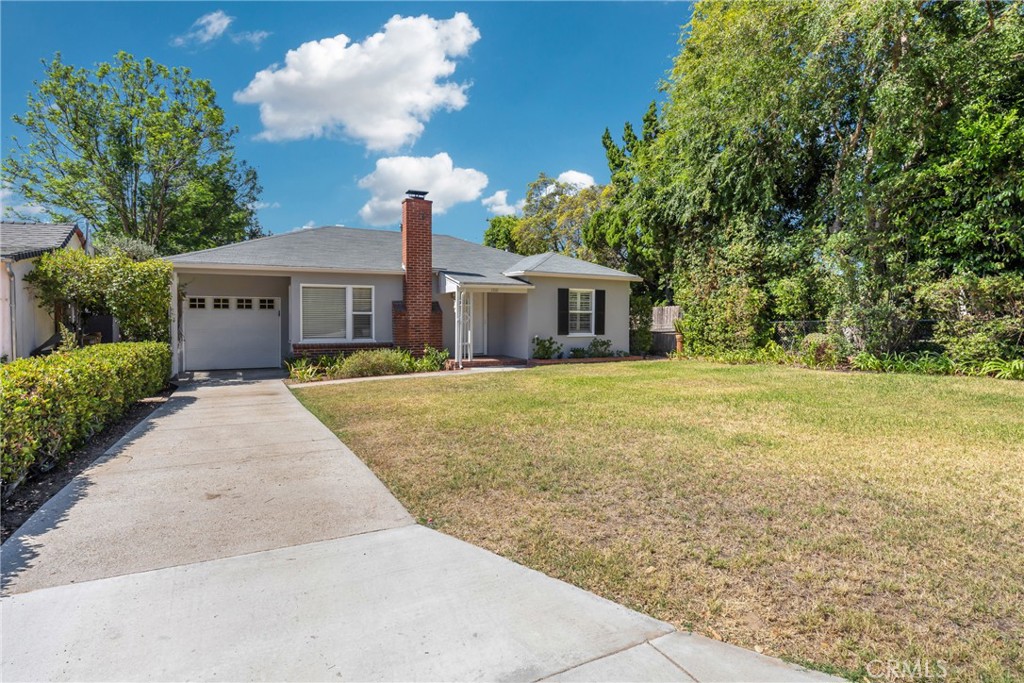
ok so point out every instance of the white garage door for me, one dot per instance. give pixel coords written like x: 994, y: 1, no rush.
x: 228, y: 332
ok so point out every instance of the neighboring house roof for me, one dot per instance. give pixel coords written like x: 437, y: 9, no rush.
x: 19, y: 241
x: 380, y: 251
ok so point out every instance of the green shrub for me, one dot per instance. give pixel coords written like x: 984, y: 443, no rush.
x: 368, y: 363
x: 377, y: 362
x: 137, y: 294
x: 432, y: 359
x: 726, y: 319
x: 640, y: 336
x: 545, y: 348
x: 578, y: 352
x: 303, y: 369
x: 51, y: 404
x: 599, y: 348
x: 979, y: 319
x: 820, y: 351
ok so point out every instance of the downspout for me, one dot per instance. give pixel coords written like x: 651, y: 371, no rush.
x: 12, y: 302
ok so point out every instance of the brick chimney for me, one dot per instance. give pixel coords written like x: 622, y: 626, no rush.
x: 416, y: 320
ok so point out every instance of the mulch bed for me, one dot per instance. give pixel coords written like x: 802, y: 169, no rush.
x: 39, y: 488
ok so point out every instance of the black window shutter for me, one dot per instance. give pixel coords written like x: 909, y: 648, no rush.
x: 599, y: 312
x: 563, y: 311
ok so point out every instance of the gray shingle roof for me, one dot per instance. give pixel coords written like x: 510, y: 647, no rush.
x: 358, y: 249
x: 551, y: 263
x: 26, y: 240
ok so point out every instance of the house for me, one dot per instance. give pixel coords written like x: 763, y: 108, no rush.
x: 24, y: 324
x: 332, y: 289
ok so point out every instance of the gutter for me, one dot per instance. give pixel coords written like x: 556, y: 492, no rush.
x: 12, y: 301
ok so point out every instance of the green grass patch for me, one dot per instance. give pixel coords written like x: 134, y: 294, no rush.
x: 830, y: 518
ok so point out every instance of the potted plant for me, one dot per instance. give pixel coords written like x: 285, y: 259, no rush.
x: 678, y: 325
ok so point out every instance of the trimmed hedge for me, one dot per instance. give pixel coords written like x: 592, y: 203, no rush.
x: 51, y: 404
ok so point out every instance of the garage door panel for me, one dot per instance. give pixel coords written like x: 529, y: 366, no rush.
x: 232, y: 336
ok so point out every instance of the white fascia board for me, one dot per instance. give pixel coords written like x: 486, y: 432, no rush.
x: 451, y: 284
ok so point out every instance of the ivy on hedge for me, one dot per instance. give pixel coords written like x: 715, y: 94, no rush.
x: 136, y: 293
x: 51, y: 404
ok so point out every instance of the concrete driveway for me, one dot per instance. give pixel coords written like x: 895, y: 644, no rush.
x: 232, y: 536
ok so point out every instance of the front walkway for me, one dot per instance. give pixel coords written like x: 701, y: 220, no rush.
x: 232, y: 536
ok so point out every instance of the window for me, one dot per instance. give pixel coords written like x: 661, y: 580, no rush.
x: 243, y: 304
x: 323, y: 312
x: 266, y: 304
x: 581, y: 311
x: 337, y: 313
x: 196, y: 302
x: 221, y: 303
x: 362, y: 313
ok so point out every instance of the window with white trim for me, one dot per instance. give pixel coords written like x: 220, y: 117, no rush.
x: 581, y: 311
x: 336, y: 313
x: 243, y: 304
x: 362, y: 313
x: 221, y: 303
x: 267, y: 304
x: 197, y: 302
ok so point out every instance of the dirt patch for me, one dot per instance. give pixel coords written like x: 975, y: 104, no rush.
x: 39, y: 488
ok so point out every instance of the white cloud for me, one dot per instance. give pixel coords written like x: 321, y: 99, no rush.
x: 254, y: 38
x: 437, y: 175
x: 205, y: 29
x: 498, y: 204
x: 13, y: 206
x: 379, y: 92
x: 577, y: 178
x: 308, y: 225
x: 259, y: 206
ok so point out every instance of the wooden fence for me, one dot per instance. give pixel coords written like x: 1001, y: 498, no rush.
x: 662, y: 318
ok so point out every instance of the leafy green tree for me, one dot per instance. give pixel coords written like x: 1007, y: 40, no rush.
x: 555, y: 215
x: 137, y: 149
x: 830, y: 158
x: 633, y: 230
x: 500, y: 233
x: 73, y: 285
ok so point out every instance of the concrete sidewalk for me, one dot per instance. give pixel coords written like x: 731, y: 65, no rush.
x: 232, y: 536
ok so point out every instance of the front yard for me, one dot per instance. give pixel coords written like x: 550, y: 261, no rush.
x: 832, y: 519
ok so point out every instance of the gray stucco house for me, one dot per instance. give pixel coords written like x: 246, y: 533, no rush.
x: 331, y: 289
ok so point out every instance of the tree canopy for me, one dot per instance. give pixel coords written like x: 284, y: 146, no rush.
x: 555, y: 215
x: 827, y: 159
x: 137, y: 149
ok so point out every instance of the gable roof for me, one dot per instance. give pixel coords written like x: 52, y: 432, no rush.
x: 19, y: 241
x: 380, y: 251
x: 551, y: 263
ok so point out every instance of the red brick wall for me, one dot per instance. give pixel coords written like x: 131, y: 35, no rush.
x: 315, y: 350
x: 416, y: 320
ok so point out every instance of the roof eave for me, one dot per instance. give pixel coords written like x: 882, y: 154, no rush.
x: 186, y: 266
x: 624, y: 277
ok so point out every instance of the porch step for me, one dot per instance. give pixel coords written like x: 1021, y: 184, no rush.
x: 486, y: 362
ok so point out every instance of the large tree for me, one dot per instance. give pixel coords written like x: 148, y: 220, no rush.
x: 500, y: 233
x: 137, y: 149
x: 633, y: 230
x: 830, y: 158
x: 555, y: 215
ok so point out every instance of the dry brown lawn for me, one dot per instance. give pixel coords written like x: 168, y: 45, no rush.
x: 832, y: 519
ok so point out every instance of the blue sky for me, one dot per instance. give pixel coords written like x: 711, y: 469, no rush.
x: 469, y: 100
